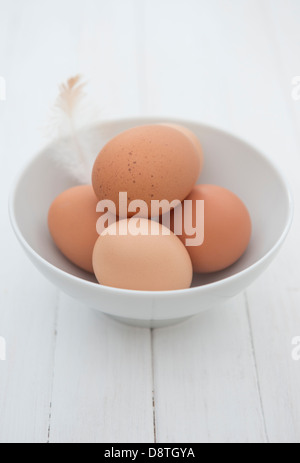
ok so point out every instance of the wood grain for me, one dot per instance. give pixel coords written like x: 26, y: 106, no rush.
x: 103, y: 380
x: 226, y: 376
x: 50, y: 43
x: 206, y: 386
x: 229, y: 72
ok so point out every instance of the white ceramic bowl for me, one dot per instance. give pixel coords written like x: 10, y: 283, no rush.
x: 229, y: 162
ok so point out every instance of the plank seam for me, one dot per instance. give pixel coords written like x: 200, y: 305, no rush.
x: 53, y: 364
x: 256, y: 368
x: 153, y: 385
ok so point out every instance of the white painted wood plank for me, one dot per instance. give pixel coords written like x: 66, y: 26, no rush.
x: 103, y: 380
x: 27, y: 302
x: 103, y: 371
x: 276, y: 320
x: 196, y: 61
x: 28, y: 306
x: 27, y: 322
x: 222, y: 61
x: 107, y: 53
x: 212, y: 61
x: 43, y: 44
x: 274, y: 313
x: 273, y: 301
x: 205, y: 380
x: 283, y: 18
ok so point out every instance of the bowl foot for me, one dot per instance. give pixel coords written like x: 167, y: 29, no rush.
x: 148, y: 323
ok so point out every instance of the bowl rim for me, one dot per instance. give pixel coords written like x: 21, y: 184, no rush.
x: 198, y: 289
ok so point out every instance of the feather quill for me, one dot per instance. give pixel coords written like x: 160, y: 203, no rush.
x: 76, y: 147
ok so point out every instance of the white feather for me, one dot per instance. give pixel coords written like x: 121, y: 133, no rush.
x: 75, y: 148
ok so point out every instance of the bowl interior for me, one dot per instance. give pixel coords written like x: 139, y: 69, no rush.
x: 229, y: 162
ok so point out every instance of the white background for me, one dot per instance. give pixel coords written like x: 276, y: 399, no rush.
x: 225, y: 376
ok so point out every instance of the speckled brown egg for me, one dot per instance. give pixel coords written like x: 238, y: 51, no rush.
x: 149, y: 163
x: 227, y: 228
x: 72, y: 221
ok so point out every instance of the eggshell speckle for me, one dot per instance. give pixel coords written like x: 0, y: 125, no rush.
x: 72, y: 223
x: 149, y: 163
x: 227, y: 229
x: 150, y: 261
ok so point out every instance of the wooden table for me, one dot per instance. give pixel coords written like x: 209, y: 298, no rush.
x: 72, y: 375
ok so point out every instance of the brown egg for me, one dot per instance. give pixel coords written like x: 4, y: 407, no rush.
x: 149, y: 261
x: 227, y: 228
x: 193, y: 137
x: 149, y: 163
x: 72, y: 223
